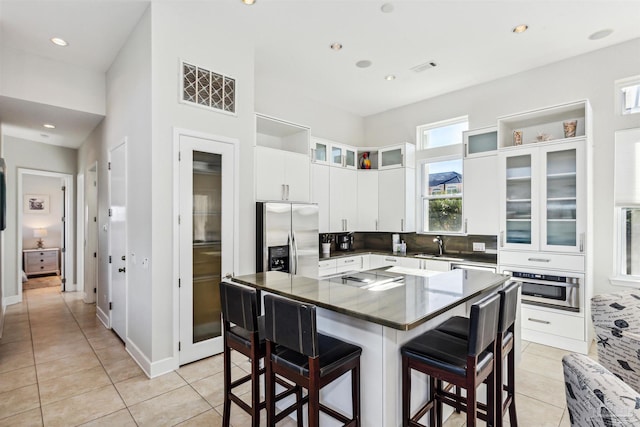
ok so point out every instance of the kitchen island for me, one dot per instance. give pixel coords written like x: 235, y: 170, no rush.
x: 380, y: 310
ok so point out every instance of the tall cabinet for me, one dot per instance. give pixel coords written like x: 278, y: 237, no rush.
x: 545, y: 194
x: 281, y: 159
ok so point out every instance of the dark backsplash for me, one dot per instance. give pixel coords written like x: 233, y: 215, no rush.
x: 453, y: 245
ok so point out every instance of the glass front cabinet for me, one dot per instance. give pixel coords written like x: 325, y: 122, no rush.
x: 543, y: 198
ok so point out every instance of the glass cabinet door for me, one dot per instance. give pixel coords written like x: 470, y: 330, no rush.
x: 350, y: 158
x: 391, y: 158
x: 336, y: 155
x: 561, y: 225
x: 519, y: 212
x: 320, y: 152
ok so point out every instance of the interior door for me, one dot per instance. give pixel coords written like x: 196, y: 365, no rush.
x: 206, y: 175
x: 91, y: 236
x: 118, y: 239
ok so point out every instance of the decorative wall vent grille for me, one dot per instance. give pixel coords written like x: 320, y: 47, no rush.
x: 208, y: 89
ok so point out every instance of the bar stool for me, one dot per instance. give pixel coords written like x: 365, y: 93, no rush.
x: 459, y: 327
x: 308, y: 359
x: 463, y: 363
x: 240, y: 306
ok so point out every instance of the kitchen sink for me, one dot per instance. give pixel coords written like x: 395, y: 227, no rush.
x: 442, y: 257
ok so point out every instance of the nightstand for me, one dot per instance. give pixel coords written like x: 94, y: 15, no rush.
x: 41, y: 261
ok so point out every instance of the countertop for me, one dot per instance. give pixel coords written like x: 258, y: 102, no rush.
x: 475, y: 258
x: 421, y: 298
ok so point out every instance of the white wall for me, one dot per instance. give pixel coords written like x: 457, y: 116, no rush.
x: 19, y: 153
x: 50, y: 186
x: 275, y: 99
x: 33, y: 78
x: 206, y: 34
x: 589, y: 76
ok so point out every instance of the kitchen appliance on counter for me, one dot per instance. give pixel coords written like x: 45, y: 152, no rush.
x: 344, y: 241
x: 287, y: 238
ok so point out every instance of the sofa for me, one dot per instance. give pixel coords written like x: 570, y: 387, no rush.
x: 616, y: 320
x: 596, y: 397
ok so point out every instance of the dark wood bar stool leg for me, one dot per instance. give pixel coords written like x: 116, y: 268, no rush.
x: 227, y: 384
x: 511, y: 388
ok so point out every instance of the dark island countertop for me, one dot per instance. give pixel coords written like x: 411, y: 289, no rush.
x: 417, y: 299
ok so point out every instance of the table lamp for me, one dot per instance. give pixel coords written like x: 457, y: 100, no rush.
x: 39, y: 233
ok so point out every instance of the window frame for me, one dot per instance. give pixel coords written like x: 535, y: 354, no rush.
x: 620, y: 97
x: 434, y: 155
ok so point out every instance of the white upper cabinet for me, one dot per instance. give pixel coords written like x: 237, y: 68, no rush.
x: 367, y: 200
x: 320, y: 194
x: 396, y: 200
x: 281, y: 159
x: 320, y: 151
x: 397, y: 156
x: 282, y: 175
x: 343, y: 187
x: 481, y: 195
x: 343, y: 156
x: 480, y: 142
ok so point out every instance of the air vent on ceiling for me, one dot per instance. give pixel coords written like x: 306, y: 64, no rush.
x: 420, y: 68
x: 208, y: 88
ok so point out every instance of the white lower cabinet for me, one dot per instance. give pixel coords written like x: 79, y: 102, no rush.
x: 552, y: 323
x: 352, y: 263
x: 435, y: 265
x: 326, y: 267
x: 343, y: 187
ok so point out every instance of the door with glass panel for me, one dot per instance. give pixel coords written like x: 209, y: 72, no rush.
x: 519, y: 211
x: 206, y: 242
x: 563, y: 192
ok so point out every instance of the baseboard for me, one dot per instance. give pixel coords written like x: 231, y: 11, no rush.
x: 151, y: 369
x: 103, y: 317
x: 15, y: 299
x: 563, y: 343
x: 70, y: 287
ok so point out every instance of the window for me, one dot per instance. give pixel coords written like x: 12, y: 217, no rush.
x: 442, y: 134
x: 628, y: 95
x: 627, y: 206
x: 440, y: 174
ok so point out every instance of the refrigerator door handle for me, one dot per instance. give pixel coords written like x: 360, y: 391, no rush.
x: 295, y: 253
x: 291, y: 266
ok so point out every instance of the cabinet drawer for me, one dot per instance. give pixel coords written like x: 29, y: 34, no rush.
x: 49, y: 255
x: 543, y: 260
x: 348, y: 264
x: 327, y: 263
x: 552, y: 323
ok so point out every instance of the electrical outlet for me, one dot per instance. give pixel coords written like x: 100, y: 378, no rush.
x: 478, y: 246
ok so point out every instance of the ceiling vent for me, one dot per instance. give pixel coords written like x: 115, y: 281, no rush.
x: 208, y: 89
x: 420, y: 68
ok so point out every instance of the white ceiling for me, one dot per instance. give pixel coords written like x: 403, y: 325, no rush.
x: 471, y: 42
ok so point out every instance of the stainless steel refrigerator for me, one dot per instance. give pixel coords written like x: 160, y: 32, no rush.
x: 287, y: 238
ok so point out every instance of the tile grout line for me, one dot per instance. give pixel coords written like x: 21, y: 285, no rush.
x: 102, y: 365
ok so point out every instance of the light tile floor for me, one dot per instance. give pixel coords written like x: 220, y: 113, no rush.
x: 59, y: 366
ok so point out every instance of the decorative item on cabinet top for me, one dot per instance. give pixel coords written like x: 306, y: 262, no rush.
x: 552, y: 124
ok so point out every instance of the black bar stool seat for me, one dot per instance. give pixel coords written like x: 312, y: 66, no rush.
x: 299, y: 354
x: 458, y: 326
x: 243, y: 337
x: 334, y: 353
x: 465, y: 363
x: 444, y: 351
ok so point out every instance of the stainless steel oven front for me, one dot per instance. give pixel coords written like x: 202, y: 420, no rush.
x: 550, y: 289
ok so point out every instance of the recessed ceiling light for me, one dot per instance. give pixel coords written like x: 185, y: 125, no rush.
x: 390, y: 77
x: 249, y: 2
x: 387, y: 8
x: 600, y: 34
x: 520, y: 28
x: 363, y: 63
x: 49, y: 126
x: 58, y: 41
x: 336, y: 46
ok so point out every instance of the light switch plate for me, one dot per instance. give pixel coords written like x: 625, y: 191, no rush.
x: 478, y: 246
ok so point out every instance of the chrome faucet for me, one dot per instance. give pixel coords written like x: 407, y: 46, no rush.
x: 440, y: 243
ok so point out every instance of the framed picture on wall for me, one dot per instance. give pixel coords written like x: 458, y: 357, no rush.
x: 36, y: 203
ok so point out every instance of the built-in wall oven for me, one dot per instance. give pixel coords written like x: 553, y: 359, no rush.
x: 550, y: 289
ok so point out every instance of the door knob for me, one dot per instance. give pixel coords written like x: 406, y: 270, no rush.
x: 121, y: 270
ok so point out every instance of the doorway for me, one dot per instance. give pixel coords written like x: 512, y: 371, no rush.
x: 90, y: 227
x: 44, y: 218
x: 206, y: 204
